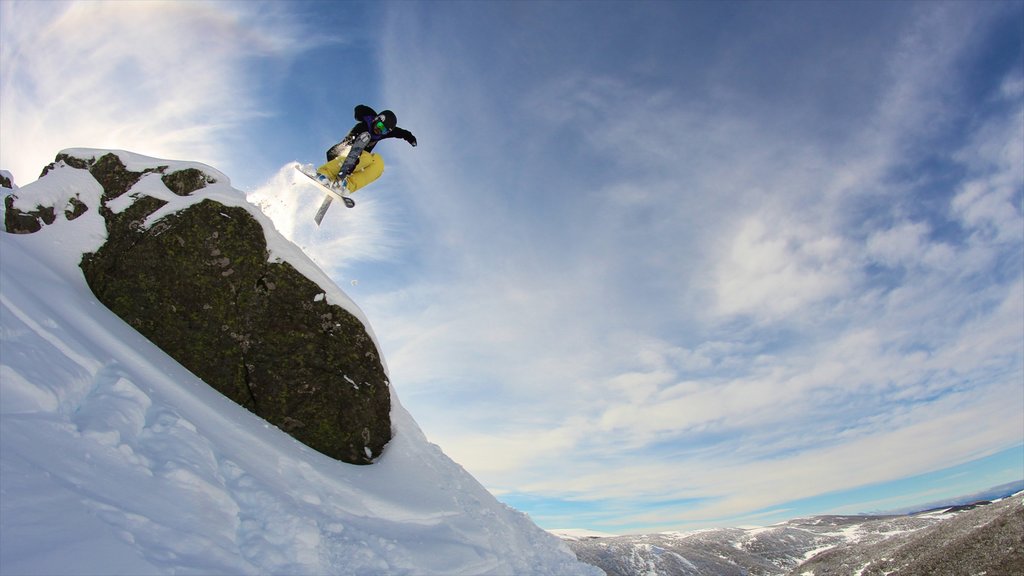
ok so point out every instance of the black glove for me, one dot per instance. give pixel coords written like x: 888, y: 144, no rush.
x: 411, y: 140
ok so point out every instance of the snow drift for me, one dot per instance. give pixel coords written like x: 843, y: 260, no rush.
x: 114, y: 459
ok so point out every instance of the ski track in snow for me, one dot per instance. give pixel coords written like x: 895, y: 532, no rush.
x: 117, y: 460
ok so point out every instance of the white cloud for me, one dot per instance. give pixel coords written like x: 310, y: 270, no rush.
x: 902, y: 448
x: 776, y: 268
x: 901, y: 245
x: 990, y: 203
x: 733, y: 480
x: 166, y: 79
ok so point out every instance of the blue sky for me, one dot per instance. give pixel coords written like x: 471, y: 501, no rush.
x: 653, y: 265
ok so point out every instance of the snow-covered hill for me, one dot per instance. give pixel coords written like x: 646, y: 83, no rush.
x: 114, y: 459
x: 973, y: 539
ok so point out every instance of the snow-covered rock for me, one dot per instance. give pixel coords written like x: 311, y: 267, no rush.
x: 193, y: 275
x: 114, y: 459
x: 7, y: 180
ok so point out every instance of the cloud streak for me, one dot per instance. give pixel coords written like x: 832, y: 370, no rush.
x: 167, y: 79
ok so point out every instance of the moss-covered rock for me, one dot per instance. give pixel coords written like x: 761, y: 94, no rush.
x: 28, y: 221
x: 198, y: 283
x: 187, y: 181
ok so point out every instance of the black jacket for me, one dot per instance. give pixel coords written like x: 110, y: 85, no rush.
x: 364, y: 116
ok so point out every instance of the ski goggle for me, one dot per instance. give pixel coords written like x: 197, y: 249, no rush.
x: 379, y: 127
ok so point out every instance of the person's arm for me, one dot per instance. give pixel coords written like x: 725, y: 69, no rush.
x: 403, y: 134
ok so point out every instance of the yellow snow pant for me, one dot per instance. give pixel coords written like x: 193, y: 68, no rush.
x: 369, y: 168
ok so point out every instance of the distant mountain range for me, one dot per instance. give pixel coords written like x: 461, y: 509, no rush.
x: 976, y: 534
x: 994, y: 493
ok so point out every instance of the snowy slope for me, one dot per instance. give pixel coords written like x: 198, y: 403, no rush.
x: 114, y: 459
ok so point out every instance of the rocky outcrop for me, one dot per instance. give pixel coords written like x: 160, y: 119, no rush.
x: 198, y: 282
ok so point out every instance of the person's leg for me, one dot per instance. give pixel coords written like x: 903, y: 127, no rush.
x: 331, y: 168
x: 370, y: 167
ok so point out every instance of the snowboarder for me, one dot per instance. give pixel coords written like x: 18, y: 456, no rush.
x: 346, y: 171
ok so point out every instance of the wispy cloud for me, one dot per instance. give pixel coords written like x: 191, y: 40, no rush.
x: 728, y: 310
x: 166, y: 79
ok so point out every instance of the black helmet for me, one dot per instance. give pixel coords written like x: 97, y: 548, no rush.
x: 385, y: 122
x: 389, y: 118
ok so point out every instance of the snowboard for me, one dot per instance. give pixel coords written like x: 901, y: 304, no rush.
x: 329, y: 195
x: 351, y: 160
